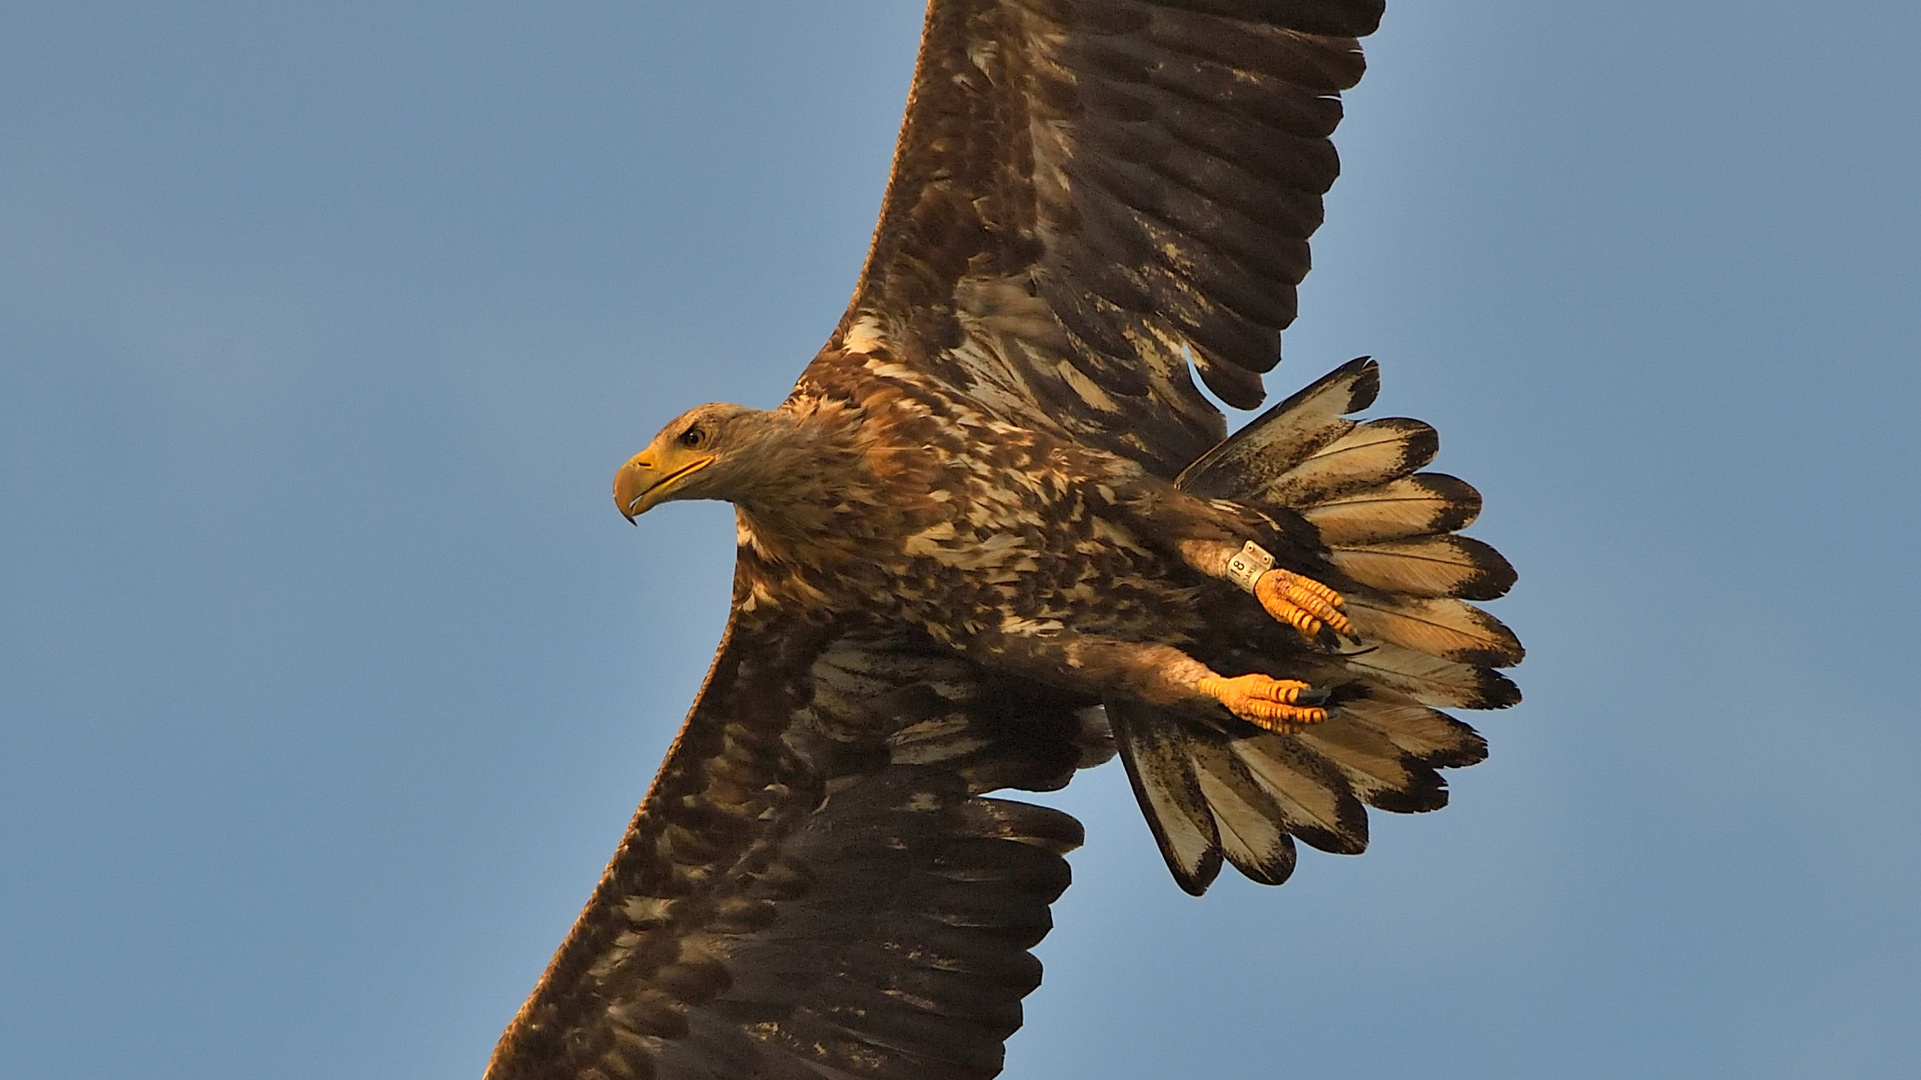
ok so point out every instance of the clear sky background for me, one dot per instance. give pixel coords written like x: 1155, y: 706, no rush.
x: 329, y: 675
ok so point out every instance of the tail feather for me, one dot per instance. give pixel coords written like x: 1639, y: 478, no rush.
x: 1428, y: 679
x: 1379, y: 772
x: 1420, y: 505
x: 1366, y: 457
x: 1428, y: 566
x: 1443, y: 627
x: 1286, y: 434
x: 1430, y: 736
x: 1225, y: 792
x: 1253, y: 828
x: 1317, y: 804
x: 1155, y: 754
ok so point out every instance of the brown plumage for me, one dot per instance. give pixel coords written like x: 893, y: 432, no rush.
x: 989, y: 540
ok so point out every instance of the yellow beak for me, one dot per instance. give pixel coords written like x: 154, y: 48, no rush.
x: 645, y: 481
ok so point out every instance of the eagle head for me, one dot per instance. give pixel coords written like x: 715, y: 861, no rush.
x: 715, y: 451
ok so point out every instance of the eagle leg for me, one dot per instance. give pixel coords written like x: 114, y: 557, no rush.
x: 1284, y: 706
x: 1157, y: 674
x: 1295, y: 599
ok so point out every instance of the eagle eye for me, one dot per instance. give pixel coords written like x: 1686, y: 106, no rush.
x: 693, y: 436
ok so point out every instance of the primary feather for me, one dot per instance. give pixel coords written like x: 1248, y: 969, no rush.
x: 981, y: 547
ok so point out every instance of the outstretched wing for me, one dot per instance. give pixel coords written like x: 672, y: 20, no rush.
x: 1086, y: 193
x: 813, y: 887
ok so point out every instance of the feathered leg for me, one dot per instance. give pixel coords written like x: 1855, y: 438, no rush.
x: 1157, y: 674
x: 1295, y: 599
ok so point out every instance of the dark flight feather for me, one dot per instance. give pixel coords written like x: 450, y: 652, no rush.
x: 1149, y: 173
x: 1089, y: 198
x: 789, y: 900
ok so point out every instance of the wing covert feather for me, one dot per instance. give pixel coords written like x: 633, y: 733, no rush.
x: 1088, y: 193
x: 813, y: 886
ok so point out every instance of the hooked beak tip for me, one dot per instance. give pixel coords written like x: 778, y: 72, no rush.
x: 639, y: 484
x: 629, y: 490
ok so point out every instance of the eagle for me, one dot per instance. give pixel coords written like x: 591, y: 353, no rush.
x: 998, y: 533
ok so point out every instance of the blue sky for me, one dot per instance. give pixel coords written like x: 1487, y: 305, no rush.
x: 329, y: 675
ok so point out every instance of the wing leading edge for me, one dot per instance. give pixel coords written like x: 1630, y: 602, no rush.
x: 1088, y: 193
x: 813, y: 886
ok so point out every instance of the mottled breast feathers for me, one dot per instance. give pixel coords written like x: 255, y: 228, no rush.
x: 1088, y: 198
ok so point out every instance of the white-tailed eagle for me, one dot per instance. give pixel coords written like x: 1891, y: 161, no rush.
x: 997, y: 534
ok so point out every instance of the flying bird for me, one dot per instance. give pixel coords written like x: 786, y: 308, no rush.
x: 997, y: 534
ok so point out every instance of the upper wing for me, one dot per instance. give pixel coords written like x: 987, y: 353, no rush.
x: 1088, y: 192
x: 812, y: 887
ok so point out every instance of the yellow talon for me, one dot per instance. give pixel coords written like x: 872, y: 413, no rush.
x: 1301, y: 602
x: 1265, y: 702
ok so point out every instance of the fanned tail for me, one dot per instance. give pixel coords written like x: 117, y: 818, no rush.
x: 1388, y: 537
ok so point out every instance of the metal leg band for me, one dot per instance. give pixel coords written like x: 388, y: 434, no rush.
x: 1248, y: 564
